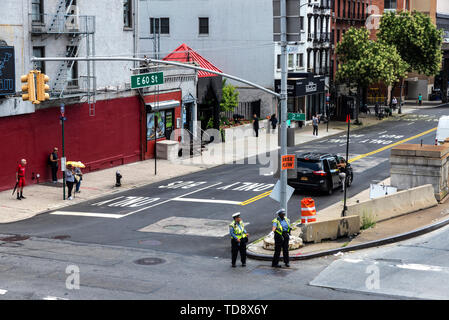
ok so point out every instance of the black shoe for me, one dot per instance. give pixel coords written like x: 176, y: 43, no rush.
x: 287, y: 265
x: 243, y: 264
x: 233, y: 265
x: 22, y: 197
x: 19, y: 198
x: 277, y: 266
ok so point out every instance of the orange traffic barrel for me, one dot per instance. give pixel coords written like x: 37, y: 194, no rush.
x: 308, y: 211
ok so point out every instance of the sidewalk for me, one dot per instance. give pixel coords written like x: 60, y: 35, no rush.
x: 45, y: 196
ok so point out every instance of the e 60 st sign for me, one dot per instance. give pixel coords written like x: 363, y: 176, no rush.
x: 146, y: 80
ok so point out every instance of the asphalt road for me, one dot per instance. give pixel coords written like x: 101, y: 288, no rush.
x: 167, y: 213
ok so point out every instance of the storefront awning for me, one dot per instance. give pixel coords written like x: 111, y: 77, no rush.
x: 161, y: 105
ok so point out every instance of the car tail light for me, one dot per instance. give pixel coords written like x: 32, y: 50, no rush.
x: 320, y: 173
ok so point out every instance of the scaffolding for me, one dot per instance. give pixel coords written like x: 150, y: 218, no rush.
x: 75, y: 29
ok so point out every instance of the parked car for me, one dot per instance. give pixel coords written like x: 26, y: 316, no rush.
x: 442, y: 130
x: 318, y: 171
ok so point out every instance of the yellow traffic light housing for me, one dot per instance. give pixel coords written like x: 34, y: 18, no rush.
x: 29, y: 89
x: 42, y: 87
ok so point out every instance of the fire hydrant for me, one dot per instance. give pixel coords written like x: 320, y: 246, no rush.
x: 118, y: 176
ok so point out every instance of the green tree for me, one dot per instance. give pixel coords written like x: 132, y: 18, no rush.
x: 230, y: 97
x: 416, y: 39
x: 364, y: 62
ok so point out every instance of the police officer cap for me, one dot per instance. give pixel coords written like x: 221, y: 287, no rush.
x: 281, y: 211
x: 235, y: 215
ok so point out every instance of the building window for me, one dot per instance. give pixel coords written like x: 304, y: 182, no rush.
x: 278, y: 63
x: 37, y: 10
x: 301, y: 23
x: 299, y: 61
x: 338, y: 35
x: 291, y: 57
x: 127, y: 14
x: 39, y: 52
x: 203, y: 26
x: 161, y: 25
x: 390, y: 4
x: 72, y: 67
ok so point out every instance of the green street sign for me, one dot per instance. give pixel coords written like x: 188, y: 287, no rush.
x: 146, y: 80
x: 297, y: 116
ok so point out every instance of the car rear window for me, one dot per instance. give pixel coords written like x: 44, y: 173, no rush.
x: 309, y: 164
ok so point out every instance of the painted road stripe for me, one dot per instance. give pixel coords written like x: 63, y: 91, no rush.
x: 263, y: 195
x: 53, y: 298
x: 391, y: 145
x: 260, y: 196
x: 207, y: 200
x: 86, y: 214
x: 3, y: 291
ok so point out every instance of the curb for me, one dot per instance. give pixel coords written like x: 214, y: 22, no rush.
x: 366, y: 245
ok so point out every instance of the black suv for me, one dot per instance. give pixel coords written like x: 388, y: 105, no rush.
x: 319, y: 171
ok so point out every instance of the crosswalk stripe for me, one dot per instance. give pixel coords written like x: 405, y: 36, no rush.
x: 86, y: 214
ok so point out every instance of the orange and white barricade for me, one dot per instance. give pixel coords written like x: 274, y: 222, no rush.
x: 308, y: 211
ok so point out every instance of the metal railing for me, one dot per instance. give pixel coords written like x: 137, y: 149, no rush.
x: 61, y: 23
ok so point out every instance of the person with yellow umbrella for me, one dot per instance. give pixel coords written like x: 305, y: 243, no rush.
x: 77, y: 165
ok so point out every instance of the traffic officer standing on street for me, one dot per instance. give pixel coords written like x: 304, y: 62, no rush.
x: 239, y: 239
x: 281, y: 229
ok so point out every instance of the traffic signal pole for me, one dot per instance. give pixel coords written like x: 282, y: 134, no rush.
x: 283, y: 99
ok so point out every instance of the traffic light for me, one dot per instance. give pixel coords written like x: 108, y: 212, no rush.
x: 28, y: 89
x: 42, y: 87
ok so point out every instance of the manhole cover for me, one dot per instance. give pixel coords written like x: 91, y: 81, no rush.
x: 15, y: 238
x: 217, y: 224
x: 149, y: 261
x: 150, y: 242
x: 175, y: 227
x: 61, y: 237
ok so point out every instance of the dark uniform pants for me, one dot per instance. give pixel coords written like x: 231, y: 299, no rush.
x: 280, y: 242
x: 236, y: 247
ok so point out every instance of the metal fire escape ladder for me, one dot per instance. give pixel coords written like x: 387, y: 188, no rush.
x: 62, y: 9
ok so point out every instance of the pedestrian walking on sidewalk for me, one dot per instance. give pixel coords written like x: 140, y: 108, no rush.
x: 315, y: 122
x: 70, y: 180
x: 53, y: 162
x: 420, y: 99
x: 239, y: 239
x: 256, y: 124
x: 78, y: 179
x: 20, y: 179
x: 274, y: 122
x: 281, y: 230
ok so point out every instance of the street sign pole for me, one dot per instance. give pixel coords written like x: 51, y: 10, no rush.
x: 348, y: 119
x: 283, y: 98
x: 63, y: 152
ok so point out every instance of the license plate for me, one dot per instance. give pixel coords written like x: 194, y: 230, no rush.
x: 304, y: 178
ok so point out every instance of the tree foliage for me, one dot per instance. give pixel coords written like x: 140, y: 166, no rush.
x: 230, y: 97
x: 364, y: 61
x: 416, y: 39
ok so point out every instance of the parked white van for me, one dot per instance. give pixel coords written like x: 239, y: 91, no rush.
x: 442, y: 130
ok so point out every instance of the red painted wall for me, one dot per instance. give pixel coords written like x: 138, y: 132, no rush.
x: 110, y: 138
x: 177, y: 95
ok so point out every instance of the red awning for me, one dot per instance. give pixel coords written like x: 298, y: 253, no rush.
x: 186, y: 54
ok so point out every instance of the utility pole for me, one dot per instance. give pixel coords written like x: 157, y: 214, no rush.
x: 283, y: 99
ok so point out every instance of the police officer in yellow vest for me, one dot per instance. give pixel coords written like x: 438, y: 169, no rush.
x: 281, y: 228
x: 239, y: 238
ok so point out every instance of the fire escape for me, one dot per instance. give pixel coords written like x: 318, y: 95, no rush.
x: 76, y: 33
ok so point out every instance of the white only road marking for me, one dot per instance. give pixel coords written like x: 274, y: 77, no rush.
x: 156, y: 204
x: 53, y: 298
x: 2, y: 291
x: 86, y: 214
x: 422, y: 267
x: 207, y: 200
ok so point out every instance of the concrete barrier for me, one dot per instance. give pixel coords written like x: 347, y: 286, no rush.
x: 330, y: 229
x: 396, y: 204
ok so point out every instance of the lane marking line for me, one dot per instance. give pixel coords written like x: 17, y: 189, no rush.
x: 207, y: 200
x: 53, y: 298
x: 258, y: 197
x: 3, y: 291
x: 86, y: 214
x: 391, y: 145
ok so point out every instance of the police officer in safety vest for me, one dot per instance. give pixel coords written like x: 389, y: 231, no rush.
x: 281, y: 229
x: 239, y: 238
